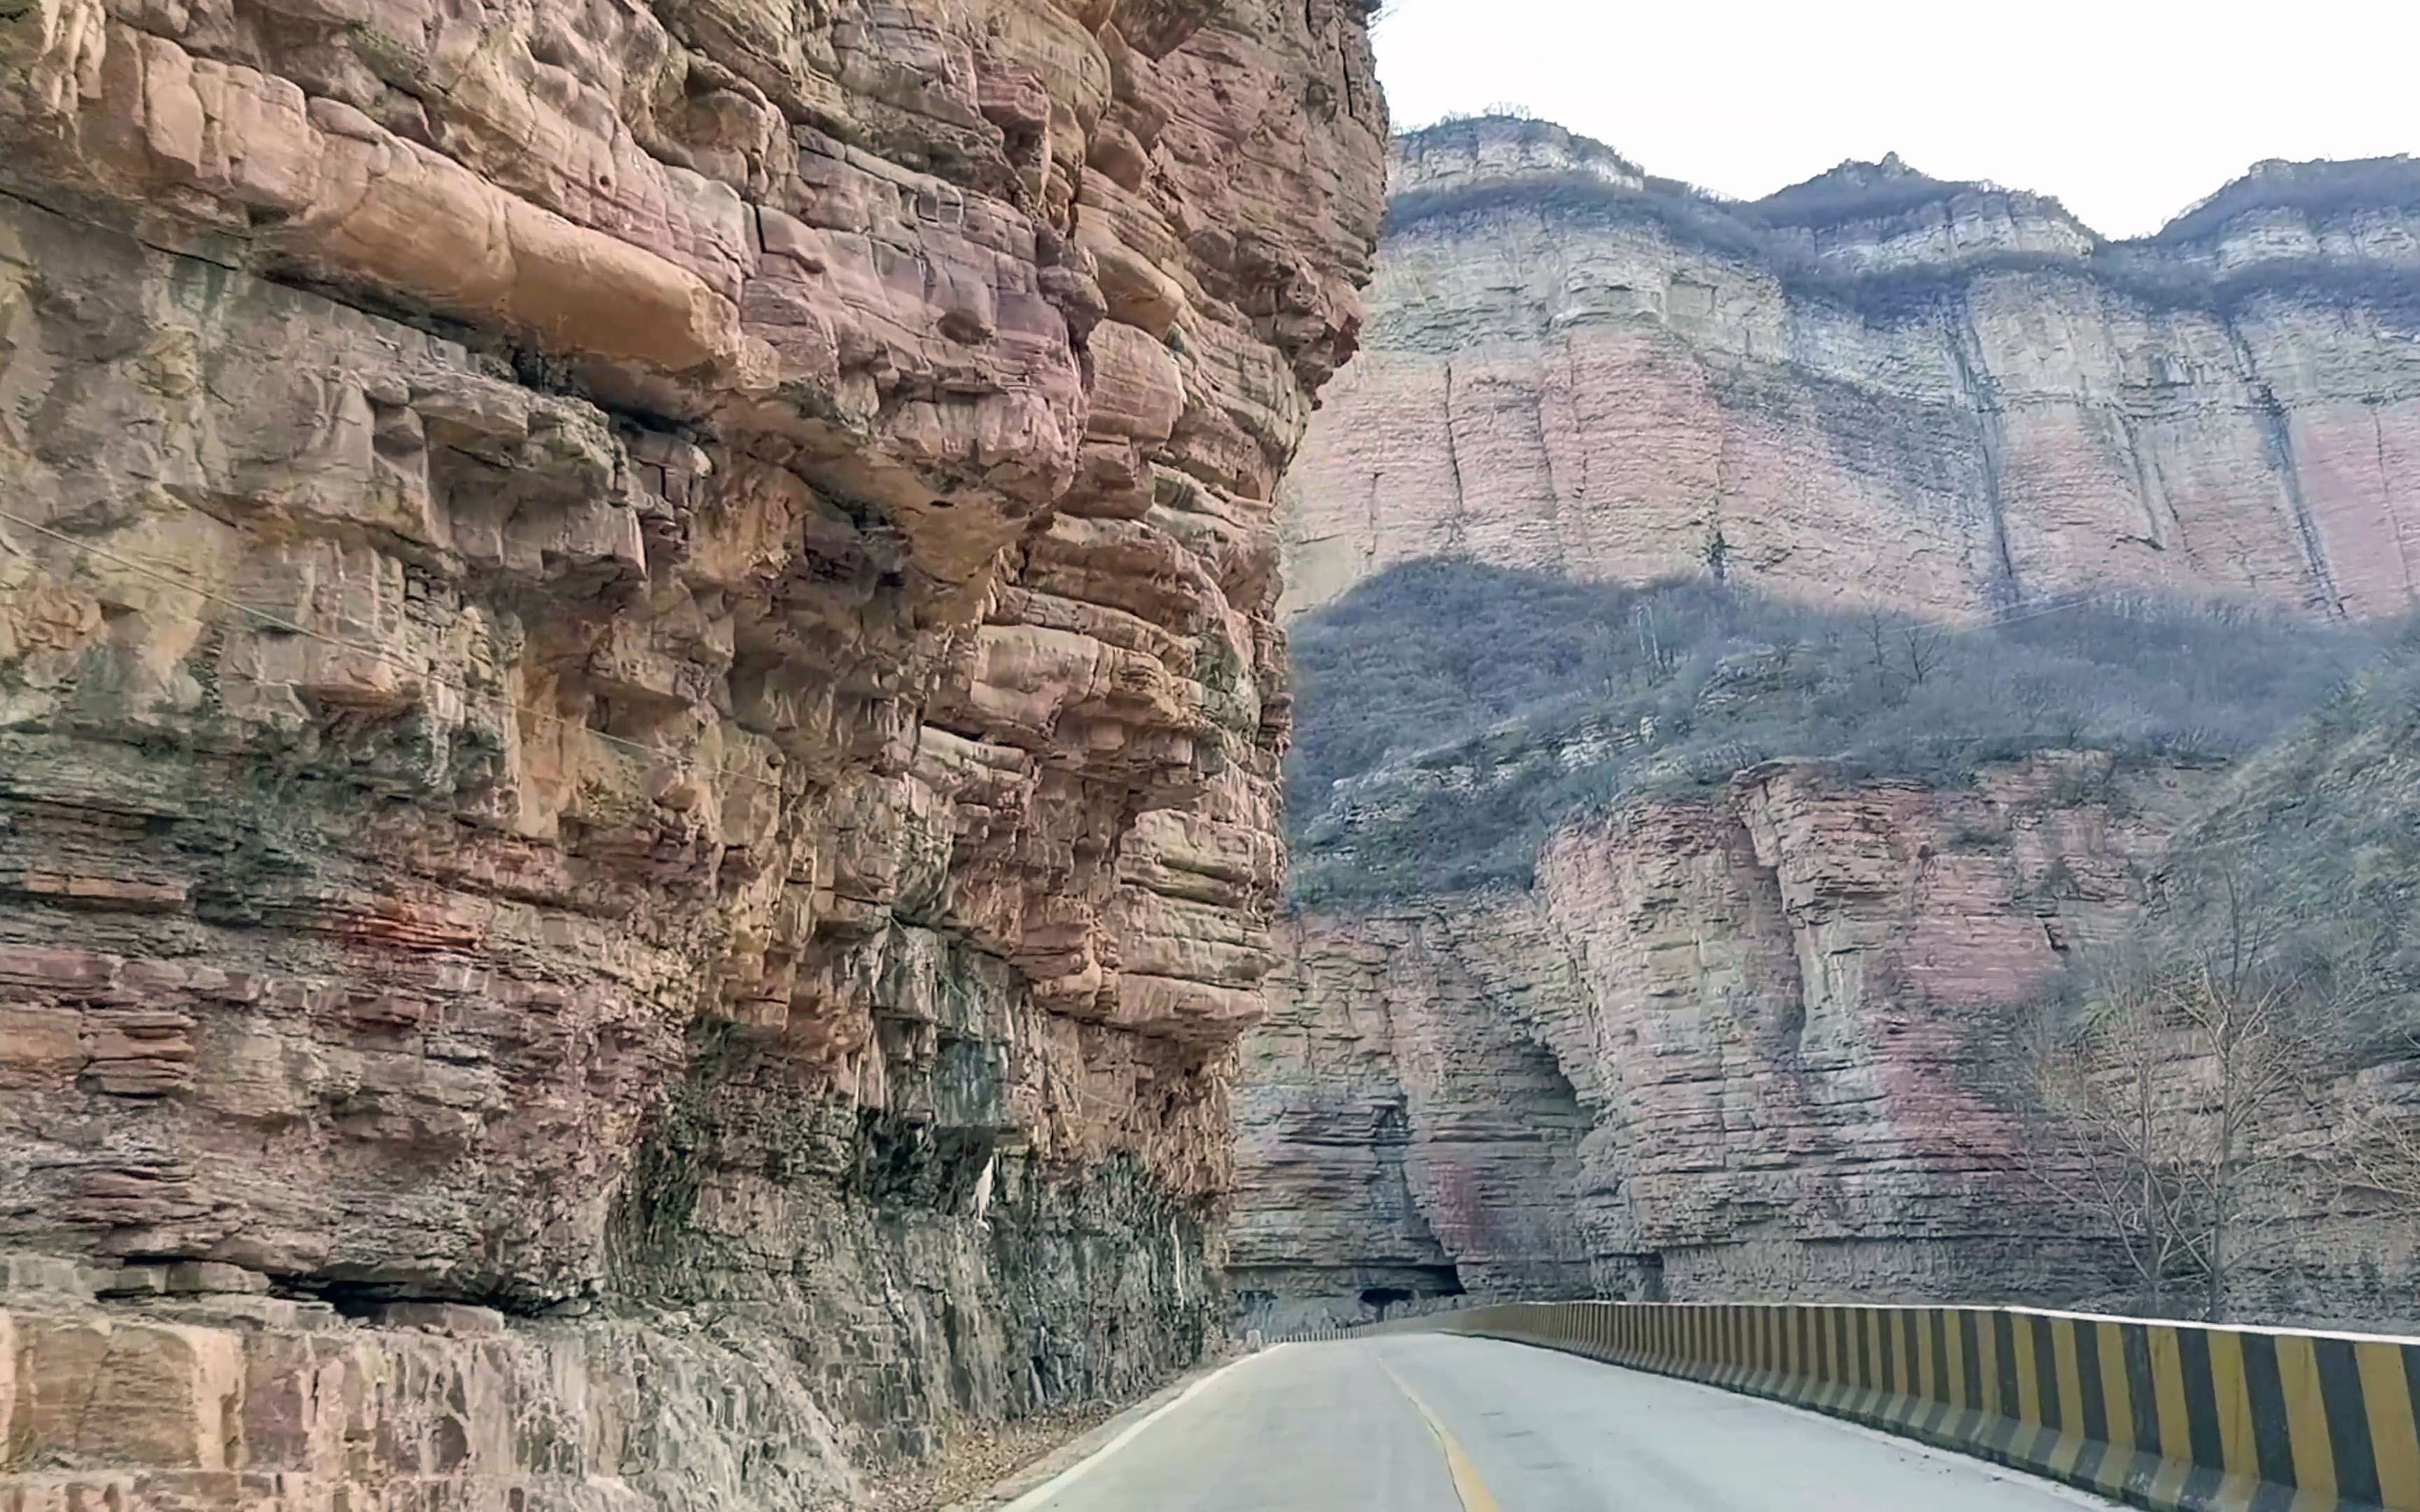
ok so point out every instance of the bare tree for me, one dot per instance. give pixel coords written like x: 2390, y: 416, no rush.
x: 1877, y: 632
x: 2259, y: 1058
x: 2158, y: 1104
x: 2382, y: 1140
x: 2384, y: 1158
x: 1908, y: 653
x: 1717, y: 552
x: 1661, y: 654
x: 2107, y: 1141
x: 1924, y: 652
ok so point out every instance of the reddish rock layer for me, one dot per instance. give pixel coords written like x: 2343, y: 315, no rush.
x: 1952, y: 400
x: 1778, y: 1013
x: 638, y: 679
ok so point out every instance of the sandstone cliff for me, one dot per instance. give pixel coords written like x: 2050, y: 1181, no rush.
x: 1876, y: 386
x: 1402, y: 1136
x: 1763, y: 1005
x: 1783, y: 1018
x: 639, y: 705
x: 1682, y: 929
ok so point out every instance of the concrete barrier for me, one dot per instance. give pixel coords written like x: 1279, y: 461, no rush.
x: 2179, y: 1417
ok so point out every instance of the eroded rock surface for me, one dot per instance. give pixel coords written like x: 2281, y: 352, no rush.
x: 639, y: 698
x: 1874, y: 387
x: 1401, y: 1136
x: 1778, y: 1012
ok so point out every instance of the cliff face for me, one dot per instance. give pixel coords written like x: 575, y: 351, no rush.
x: 1401, y: 1136
x: 1876, y: 387
x: 639, y: 697
x: 1590, y: 951
x: 1776, y: 1011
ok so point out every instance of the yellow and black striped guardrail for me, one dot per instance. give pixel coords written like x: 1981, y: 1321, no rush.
x: 2177, y: 1418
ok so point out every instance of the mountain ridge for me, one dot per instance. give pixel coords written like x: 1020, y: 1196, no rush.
x: 2390, y: 182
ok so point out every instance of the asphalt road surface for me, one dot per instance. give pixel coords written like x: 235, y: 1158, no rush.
x: 1423, y: 1423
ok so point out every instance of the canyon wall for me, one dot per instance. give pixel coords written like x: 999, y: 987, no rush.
x: 1776, y: 1010
x: 639, y: 710
x: 1399, y: 1138
x: 1768, y: 1044
x: 1781, y: 996
x: 1875, y: 387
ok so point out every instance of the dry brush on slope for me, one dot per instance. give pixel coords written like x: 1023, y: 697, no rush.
x: 2226, y: 1087
x: 1451, y: 716
x: 2283, y: 944
x: 1762, y: 1030
x: 2161, y: 1094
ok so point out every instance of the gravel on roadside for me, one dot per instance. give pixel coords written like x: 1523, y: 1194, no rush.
x: 980, y: 1457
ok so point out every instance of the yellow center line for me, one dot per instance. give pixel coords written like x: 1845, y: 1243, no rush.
x: 1467, y: 1483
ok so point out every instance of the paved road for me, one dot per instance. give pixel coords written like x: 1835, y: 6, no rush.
x: 1429, y: 1423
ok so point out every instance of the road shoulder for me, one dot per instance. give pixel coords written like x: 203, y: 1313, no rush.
x: 1030, y: 1486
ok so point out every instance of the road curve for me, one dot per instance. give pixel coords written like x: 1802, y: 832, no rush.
x: 1424, y: 1423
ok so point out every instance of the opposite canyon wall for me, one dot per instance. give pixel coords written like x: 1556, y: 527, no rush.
x: 639, y: 707
x: 1753, y: 1040
x: 1772, y: 1012
x: 1874, y: 387
x: 1769, y: 1043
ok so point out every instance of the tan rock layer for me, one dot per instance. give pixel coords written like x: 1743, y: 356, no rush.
x: 1399, y: 1138
x: 1781, y: 1017
x: 638, y: 670
x: 1969, y: 413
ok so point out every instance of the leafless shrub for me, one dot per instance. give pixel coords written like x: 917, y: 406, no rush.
x: 2159, y: 1096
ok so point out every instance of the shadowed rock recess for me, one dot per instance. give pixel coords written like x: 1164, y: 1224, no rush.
x: 1751, y: 656
x: 639, y: 710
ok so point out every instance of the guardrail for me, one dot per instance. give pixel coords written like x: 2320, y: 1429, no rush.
x: 2177, y: 1418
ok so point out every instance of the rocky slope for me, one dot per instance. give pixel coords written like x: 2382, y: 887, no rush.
x: 638, y: 705
x: 1688, y: 932
x: 1772, y: 1009
x: 1783, y: 1016
x: 1876, y: 386
x: 1402, y: 1139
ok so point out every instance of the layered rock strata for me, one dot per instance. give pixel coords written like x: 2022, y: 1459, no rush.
x: 1781, y: 1014
x: 1401, y: 1138
x: 1876, y: 387
x: 639, y: 698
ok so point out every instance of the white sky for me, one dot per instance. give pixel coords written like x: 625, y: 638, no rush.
x: 2127, y: 110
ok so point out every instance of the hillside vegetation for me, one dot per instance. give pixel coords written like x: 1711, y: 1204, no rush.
x: 2231, y: 1088
x: 2321, y: 191
x: 2323, y: 831
x: 1449, y: 715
